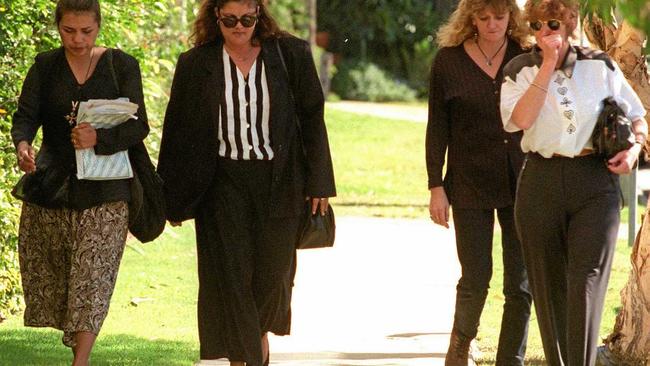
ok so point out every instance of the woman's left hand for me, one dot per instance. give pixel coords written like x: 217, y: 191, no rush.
x: 315, y: 202
x: 83, y: 136
x: 623, y: 162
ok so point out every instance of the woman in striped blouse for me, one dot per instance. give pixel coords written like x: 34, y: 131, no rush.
x: 234, y: 158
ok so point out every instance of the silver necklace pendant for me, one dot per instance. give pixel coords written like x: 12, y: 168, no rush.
x: 488, y: 60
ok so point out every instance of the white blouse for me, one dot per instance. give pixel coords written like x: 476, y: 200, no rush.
x: 573, y: 102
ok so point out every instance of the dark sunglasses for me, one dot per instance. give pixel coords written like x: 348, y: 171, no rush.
x: 553, y: 24
x: 230, y: 21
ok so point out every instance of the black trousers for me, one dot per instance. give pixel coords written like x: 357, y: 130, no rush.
x: 567, y: 216
x: 246, y: 264
x: 474, y: 232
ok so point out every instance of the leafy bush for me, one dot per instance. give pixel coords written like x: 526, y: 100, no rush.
x: 21, y: 36
x: 365, y: 81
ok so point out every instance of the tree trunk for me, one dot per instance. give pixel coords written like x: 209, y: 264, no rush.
x: 629, y: 342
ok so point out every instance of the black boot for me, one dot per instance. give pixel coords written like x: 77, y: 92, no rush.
x: 458, y: 352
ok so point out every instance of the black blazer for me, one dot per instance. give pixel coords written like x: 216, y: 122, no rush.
x: 189, y: 146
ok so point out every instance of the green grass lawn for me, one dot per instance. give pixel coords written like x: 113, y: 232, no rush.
x: 380, y: 171
x: 378, y: 165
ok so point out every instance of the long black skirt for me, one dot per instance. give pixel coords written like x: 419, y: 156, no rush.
x: 246, y: 262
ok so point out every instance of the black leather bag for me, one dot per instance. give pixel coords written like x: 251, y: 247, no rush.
x: 317, y: 231
x: 613, y: 131
x: 147, y: 206
x: 47, y: 187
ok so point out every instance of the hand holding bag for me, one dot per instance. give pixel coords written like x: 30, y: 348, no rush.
x: 613, y: 131
x: 318, y: 231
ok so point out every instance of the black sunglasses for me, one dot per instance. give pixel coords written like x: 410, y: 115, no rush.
x: 553, y: 24
x: 231, y: 21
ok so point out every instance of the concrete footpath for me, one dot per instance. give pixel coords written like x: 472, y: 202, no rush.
x: 384, y: 295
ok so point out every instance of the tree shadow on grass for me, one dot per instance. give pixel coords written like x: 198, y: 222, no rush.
x: 36, y: 347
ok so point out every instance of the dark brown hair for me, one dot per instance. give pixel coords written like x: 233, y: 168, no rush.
x: 207, y: 30
x: 75, y: 6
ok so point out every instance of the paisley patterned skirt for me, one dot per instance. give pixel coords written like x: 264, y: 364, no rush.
x: 69, y: 261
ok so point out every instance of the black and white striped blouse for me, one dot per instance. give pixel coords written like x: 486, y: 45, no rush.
x: 244, y: 113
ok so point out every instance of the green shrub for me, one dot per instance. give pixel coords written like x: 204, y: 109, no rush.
x: 365, y: 81
x: 22, y: 35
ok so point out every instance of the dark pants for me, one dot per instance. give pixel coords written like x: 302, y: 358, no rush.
x: 246, y: 264
x: 567, y: 215
x: 474, y: 232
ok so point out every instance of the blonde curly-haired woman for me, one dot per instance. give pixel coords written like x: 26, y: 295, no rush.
x: 483, y: 162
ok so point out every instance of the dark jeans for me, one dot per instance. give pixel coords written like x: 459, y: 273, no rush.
x: 474, y: 232
x: 567, y: 213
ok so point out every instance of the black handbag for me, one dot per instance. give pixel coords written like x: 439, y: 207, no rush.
x: 613, y: 131
x: 318, y: 231
x: 147, y: 206
x: 47, y: 187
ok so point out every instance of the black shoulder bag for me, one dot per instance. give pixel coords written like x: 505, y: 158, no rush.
x: 613, y: 131
x: 317, y: 231
x: 147, y: 206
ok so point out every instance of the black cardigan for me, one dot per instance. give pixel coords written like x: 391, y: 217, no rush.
x: 189, y: 151
x: 465, y: 122
x: 45, y: 100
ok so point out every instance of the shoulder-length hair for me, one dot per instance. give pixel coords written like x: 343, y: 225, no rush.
x: 206, y: 29
x: 459, y: 27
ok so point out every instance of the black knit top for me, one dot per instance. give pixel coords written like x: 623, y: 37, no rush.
x: 464, y: 122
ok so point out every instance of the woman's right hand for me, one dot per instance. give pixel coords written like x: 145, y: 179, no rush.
x: 26, y: 157
x: 550, y: 46
x: 439, y: 206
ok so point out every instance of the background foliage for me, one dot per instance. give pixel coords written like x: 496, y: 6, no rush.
x: 398, y: 36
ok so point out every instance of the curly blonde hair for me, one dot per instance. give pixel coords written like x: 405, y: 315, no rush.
x: 459, y: 27
x: 564, y: 10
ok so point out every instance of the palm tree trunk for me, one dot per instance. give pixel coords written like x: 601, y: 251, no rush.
x: 629, y: 342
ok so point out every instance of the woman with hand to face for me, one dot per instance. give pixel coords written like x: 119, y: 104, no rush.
x: 483, y: 162
x: 568, y: 199
x: 72, y: 234
x: 233, y: 158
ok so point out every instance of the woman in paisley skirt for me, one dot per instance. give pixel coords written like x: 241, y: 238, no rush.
x: 72, y: 232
